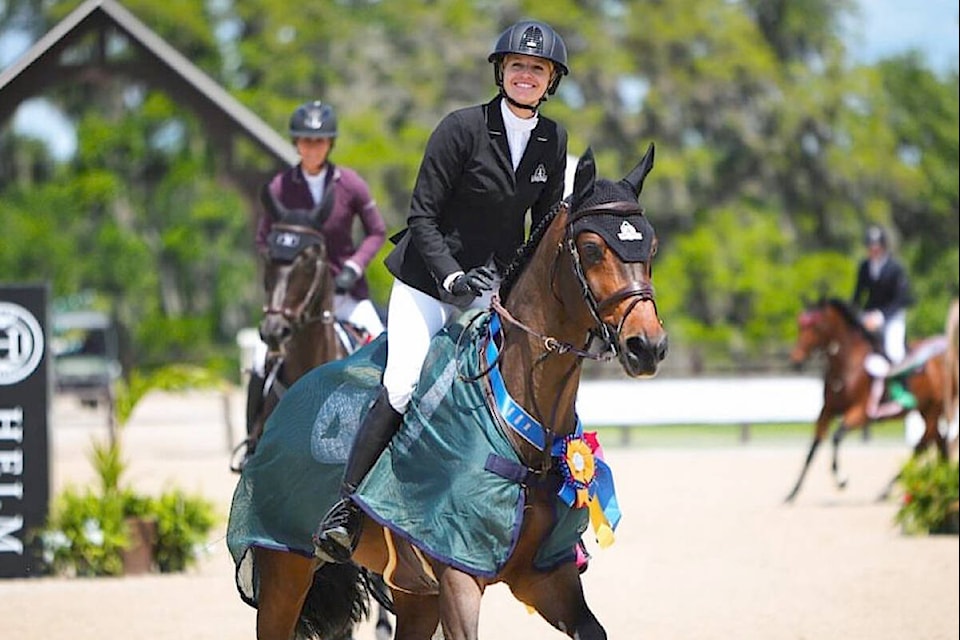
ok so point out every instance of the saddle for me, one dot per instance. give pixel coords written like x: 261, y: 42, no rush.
x: 878, y: 365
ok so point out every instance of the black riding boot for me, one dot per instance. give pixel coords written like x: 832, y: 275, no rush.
x: 254, y: 399
x: 337, y: 535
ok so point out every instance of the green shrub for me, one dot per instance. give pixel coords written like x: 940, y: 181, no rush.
x: 931, y: 488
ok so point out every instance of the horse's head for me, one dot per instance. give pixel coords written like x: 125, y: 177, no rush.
x: 612, y: 245
x: 825, y: 326
x: 813, y: 332
x: 297, y: 277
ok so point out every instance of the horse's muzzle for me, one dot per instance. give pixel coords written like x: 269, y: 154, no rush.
x: 640, y: 355
x: 275, y: 330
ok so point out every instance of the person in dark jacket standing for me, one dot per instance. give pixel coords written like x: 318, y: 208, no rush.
x: 484, y: 167
x: 883, y: 293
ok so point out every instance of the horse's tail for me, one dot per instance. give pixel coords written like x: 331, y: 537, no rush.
x: 337, y: 601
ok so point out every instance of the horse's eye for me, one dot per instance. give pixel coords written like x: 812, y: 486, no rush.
x: 591, y: 253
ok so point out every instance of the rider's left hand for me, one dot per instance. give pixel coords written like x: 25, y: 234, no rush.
x: 346, y: 279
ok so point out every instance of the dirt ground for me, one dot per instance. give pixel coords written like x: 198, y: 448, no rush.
x: 706, y: 549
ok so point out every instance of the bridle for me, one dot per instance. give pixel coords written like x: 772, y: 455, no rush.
x: 305, y: 312
x: 604, y: 339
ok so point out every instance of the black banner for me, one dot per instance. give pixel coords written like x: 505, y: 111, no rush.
x: 24, y: 391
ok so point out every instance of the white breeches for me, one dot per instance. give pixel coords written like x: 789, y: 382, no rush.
x: 413, y: 318
x: 362, y: 313
x: 895, y: 336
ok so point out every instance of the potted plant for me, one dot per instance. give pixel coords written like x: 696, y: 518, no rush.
x: 931, y: 487
x: 111, y: 529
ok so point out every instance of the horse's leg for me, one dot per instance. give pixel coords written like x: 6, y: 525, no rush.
x: 823, y: 421
x: 284, y: 580
x: 417, y: 616
x: 835, y: 465
x: 558, y: 597
x: 459, y: 603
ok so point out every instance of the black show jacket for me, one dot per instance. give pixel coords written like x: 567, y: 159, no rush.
x: 468, y: 205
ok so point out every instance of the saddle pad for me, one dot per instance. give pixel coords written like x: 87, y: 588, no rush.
x: 919, y: 355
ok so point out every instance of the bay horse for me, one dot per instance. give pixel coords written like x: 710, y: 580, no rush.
x: 832, y: 327
x: 298, y: 326
x: 300, y: 332
x: 951, y: 385
x: 580, y: 288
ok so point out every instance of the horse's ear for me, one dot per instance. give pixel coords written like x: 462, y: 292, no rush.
x: 584, y: 177
x: 635, y: 178
x: 271, y: 203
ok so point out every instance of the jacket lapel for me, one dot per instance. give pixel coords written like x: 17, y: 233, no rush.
x: 498, y: 135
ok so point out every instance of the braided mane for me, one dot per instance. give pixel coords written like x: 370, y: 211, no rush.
x: 526, y: 250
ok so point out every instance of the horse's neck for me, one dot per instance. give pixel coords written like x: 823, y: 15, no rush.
x: 545, y: 384
x: 311, y: 345
x: 847, y: 347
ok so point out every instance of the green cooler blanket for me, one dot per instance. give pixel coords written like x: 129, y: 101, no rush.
x: 432, y: 486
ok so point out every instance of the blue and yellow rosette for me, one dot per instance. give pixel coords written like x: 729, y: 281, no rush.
x: 588, y: 482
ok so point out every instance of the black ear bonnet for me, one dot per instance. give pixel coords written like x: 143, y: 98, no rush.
x: 294, y: 229
x: 611, y: 209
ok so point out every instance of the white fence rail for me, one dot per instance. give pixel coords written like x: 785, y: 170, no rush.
x: 699, y: 401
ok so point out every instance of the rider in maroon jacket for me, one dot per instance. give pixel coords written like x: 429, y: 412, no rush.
x: 306, y: 186
x: 313, y: 128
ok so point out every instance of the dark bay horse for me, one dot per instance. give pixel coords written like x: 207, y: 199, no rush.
x: 579, y: 288
x: 300, y: 331
x: 298, y: 325
x: 832, y: 327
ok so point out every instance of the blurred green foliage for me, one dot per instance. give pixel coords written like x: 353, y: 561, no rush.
x: 774, y: 151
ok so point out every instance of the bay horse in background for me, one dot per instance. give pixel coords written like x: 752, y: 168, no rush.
x: 951, y: 386
x: 832, y: 327
x: 300, y: 332
x: 298, y: 326
x: 570, y: 294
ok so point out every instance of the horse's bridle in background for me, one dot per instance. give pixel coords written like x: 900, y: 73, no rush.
x: 299, y: 315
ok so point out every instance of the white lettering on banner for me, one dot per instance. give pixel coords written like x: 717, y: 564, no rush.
x: 11, y: 462
x: 9, y: 543
x: 11, y: 490
x: 11, y: 424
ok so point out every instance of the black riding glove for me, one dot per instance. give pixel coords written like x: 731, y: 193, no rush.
x: 346, y: 279
x: 473, y: 282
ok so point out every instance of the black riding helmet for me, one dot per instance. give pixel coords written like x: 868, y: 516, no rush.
x: 531, y: 38
x: 313, y: 120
